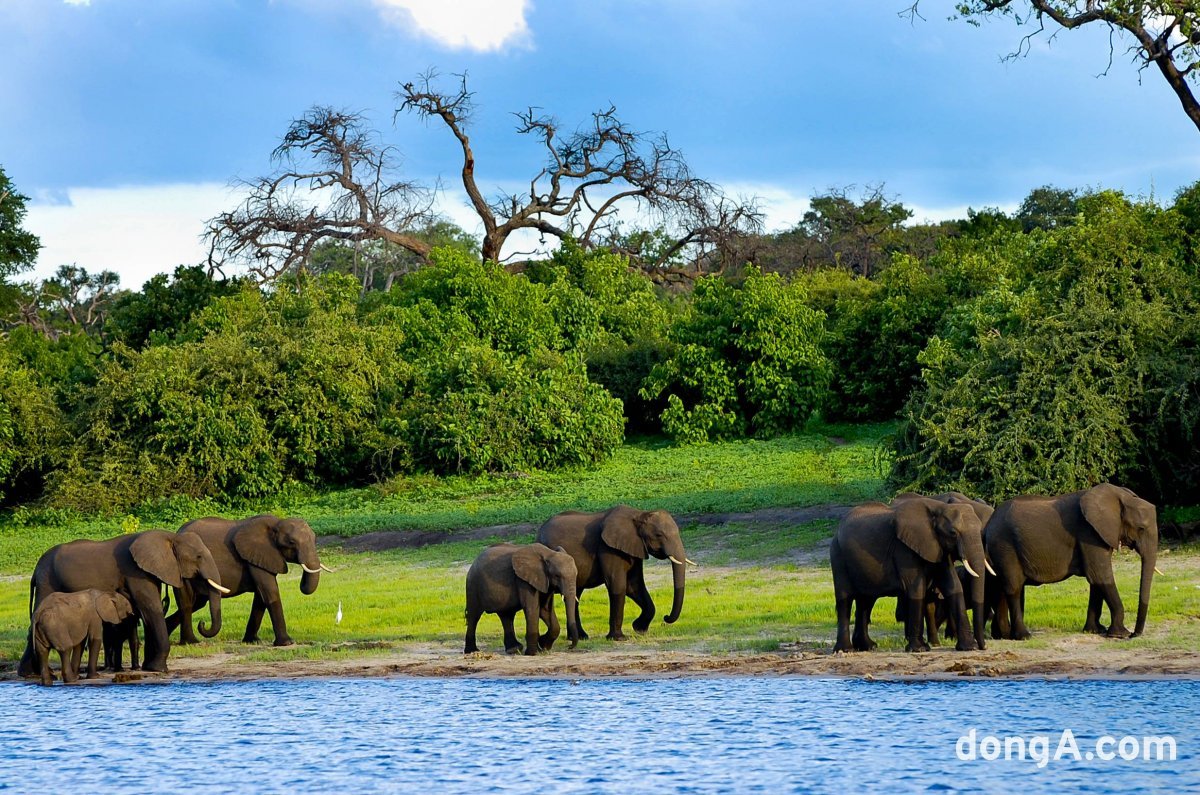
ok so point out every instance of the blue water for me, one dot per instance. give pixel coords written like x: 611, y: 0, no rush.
x: 633, y: 736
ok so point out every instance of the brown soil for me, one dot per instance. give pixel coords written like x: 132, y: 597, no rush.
x: 1082, y: 657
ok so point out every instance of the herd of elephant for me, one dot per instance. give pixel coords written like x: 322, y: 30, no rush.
x: 939, y: 555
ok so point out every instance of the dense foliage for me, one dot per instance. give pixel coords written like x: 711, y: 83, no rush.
x: 1040, y: 351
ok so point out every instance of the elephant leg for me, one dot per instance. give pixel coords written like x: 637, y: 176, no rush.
x: 617, y: 589
x: 94, y: 642
x: 43, y: 665
x: 844, y: 604
x: 578, y: 624
x: 187, y: 602
x: 158, y: 644
x: 511, y: 644
x: 1116, y: 610
x: 1095, y: 603
x: 641, y: 597
x: 861, y: 640
x: 1016, y: 615
x: 257, y: 608
x: 916, y: 617
x: 135, y: 646
x: 553, y: 628
x: 267, y: 587
x: 29, y: 664
x: 532, y: 609
x: 473, y: 616
x: 65, y: 658
x: 931, y: 622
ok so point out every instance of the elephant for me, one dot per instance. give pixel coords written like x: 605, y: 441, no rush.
x: 609, y: 549
x: 902, y: 549
x: 937, y: 611
x: 135, y: 565
x: 506, y: 578
x: 1039, y: 540
x: 115, y: 638
x: 249, y: 555
x: 66, y: 622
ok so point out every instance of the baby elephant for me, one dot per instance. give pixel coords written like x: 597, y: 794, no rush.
x: 67, y: 621
x: 506, y: 578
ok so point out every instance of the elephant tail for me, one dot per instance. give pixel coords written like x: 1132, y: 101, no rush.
x: 32, y: 591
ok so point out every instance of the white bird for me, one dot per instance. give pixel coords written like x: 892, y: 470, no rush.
x: 338, y: 618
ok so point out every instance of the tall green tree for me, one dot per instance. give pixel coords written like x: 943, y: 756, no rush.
x: 18, y: 247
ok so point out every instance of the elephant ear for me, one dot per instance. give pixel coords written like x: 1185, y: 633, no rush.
x: 914, y: 528
x: 621, y: 532
x: 254, y: 543
x: 110, y: 610
x: 154, y: 554
x: 1101, y: 506
x: 530, y: 566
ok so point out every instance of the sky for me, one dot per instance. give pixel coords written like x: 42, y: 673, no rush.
x: 128, y: 122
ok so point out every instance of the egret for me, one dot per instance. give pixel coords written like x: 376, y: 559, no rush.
x: 338, y: 618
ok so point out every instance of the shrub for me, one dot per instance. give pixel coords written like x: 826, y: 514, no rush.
x: 1047, y: 387
x: 748, y: 359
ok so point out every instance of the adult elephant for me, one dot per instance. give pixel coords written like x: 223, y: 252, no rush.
x: 137, y: 565
x: 250, y: 554
x: 610, y: 548
x: 1040, y: 540
x: 974, y: 593
x: 902, y: 550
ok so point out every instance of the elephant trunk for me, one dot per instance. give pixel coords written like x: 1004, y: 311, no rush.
x: 311, y: 577
x: 214, y: 610
x: 571, y: 602
x: 679, y: 574
x: 971, y: 551
x: 1148, y: 548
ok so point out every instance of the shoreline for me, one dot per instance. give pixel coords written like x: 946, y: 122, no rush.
x: 1079, y: 661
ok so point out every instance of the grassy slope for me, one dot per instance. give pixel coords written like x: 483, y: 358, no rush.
x: 760, y: 585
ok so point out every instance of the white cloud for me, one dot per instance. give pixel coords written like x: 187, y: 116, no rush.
x: 78, y: 2
x: 481, y: 25
x: 135, y: 231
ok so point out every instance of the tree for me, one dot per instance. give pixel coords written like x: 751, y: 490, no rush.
x: 71, y: 299
x: 18, y: 248
x: 1165, y: 33
x: 337, y: 181
x: 165, y: 305
x: 856, y: 235
x: 1048, y: 207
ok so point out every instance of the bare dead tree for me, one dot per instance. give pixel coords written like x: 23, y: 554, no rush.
x: 1166, y: 33
x: 587, y: 177
x: 335, y: 180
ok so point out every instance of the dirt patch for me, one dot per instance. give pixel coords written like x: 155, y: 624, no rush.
x: 381, y: 540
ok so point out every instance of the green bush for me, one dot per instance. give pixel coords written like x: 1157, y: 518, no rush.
x: 1056, y: 384
x: 748, y: 360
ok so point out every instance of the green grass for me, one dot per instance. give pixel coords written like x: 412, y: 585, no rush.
x: 829, y: 464
x: 749, y: 594
x: 760, y: 584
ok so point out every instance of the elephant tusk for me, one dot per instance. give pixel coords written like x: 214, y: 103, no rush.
x: 970, y: 570
x: 991, y: 571
x: 1157, y: 570
x: 692, y: 562
x: 218, y: 587
x: 310, y: 571
x: 673, y: 560
x: 325, y: 568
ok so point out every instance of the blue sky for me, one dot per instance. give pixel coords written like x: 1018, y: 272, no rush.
x: 127, y: 120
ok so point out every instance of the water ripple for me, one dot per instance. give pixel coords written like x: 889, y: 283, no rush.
x: 687, y: 735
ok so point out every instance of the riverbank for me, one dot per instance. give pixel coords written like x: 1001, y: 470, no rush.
x: 1079, y: 657
x: 760, y: 605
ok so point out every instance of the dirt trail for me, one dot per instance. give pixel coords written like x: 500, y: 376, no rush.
x: 413, y: 539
